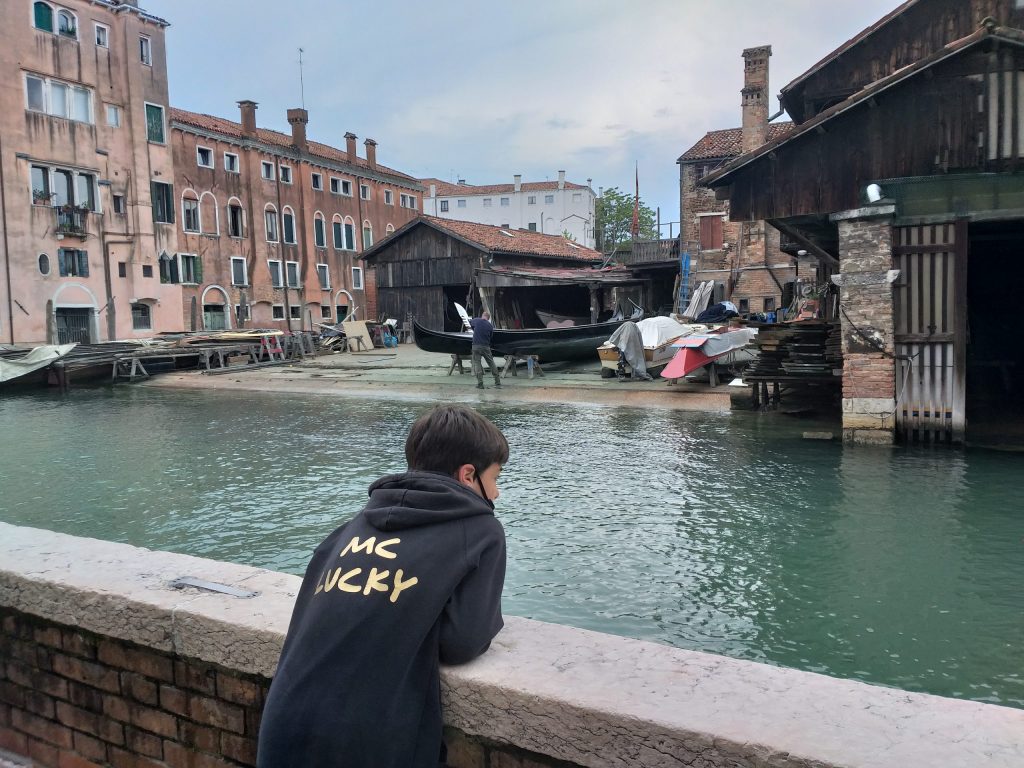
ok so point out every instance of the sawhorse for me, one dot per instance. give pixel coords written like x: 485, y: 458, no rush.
x: 456, y: 361
x: 532, y: 365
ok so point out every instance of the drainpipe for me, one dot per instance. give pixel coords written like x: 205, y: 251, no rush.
x: 7, y: 250
x: 109, y: 286
x: 280, y: 245
x: 359, y: 228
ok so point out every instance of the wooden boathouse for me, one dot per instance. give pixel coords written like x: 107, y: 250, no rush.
x: 429, y: 264
x: 904, y: 175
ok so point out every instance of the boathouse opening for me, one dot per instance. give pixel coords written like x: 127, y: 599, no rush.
x: 995, y: 355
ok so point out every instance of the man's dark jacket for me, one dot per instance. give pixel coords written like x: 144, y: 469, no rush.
x: 414, y: 578
x: 482, y: 331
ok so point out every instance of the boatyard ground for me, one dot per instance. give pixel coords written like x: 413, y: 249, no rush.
x: 407, y: 372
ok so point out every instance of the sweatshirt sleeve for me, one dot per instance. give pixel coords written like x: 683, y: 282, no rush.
x: 472, y: 616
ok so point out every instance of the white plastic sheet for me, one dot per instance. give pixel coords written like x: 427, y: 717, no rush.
x: 38, y: 357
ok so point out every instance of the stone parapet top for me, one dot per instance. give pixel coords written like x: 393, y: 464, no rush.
x: 571, y: 694
x: 866, y: 212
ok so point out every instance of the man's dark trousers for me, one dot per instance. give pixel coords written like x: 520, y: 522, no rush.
x: 478, y: 369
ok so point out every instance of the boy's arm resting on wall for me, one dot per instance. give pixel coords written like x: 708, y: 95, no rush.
x: 472, y: 616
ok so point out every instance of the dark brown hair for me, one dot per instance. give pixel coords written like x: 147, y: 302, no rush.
x: 448, y: 436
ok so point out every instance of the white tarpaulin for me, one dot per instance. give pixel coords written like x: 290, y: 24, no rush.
x: 720, y: 343
x: 655, y: 331
x: 38, y: 357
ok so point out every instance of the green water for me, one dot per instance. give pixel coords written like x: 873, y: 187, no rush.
x: 722, y: 533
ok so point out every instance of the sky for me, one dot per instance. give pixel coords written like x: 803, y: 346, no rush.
x: 485, y: 89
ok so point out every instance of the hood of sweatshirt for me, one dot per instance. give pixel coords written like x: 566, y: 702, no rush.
x: 412, y: 499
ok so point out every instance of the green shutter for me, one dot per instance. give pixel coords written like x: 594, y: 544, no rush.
x: 62, y: 262
x: 199, y: 269
x: 83, y: 263
x: 44, y: 17
x: 155, y: 123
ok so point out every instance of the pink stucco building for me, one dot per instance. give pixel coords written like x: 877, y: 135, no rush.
x: 86, y: 174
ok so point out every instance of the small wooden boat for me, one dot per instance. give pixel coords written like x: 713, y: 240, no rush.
x: 658, y: 334
x: 693, y: 352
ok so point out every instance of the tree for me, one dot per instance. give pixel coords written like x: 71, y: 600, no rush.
x: 615, y: 220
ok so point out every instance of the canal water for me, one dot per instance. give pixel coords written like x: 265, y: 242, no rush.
x: 725, y: 533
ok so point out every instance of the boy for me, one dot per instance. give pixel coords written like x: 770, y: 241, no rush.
x: 413, y: 579
x: 481, y: 348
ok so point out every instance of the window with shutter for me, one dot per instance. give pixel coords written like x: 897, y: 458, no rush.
x: 43, y: 17
x: 319, y: 235
x: 339, y: 241
x: 711, y: 233
x: 155, y: 123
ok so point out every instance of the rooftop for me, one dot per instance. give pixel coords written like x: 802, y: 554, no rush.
x: 728, y: 143
x: 446, y: 189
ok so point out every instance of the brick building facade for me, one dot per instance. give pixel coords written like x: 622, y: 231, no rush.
x: 270, y: 224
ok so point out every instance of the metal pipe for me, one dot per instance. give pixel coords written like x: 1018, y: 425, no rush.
x: 7, y: 250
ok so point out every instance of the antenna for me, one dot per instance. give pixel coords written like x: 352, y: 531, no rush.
x: 302, y: 84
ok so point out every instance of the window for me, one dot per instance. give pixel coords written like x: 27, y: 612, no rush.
x: 190, y: 214
x: 190, y: 268
x: 769, y: 304
x: 711, y: 232
x: 318, y: 181
x: 744, y: 306
x: 577, y: 197
x: 549, y: 199
x: 66, y: 24
x: 42, y: 17
x: 487, y: 202
x: 155, y: 123
x: 72, y: 263
x: 163, y: 202
x: 291, y: 269
x: 141, y: 320
x: 239, y: 272
x: 531, y: 200
x: 122, y: 269
x: 364, y: 192
x: 444, y: 206
x: 295, y: 312
x: 389, y: 197
x: 389, y: 229
x: 277, y: 312
x: 145, y: 50
x: 367, y: 235
x: 504, y: 202
x: 231, y: 162
x: 102, y: 35
x: 236, y: 227
x: 58, y: 99
x: 532, y: 226
x: 408, y: 201
x: 319, y: 231
x: 275, y: 273
x: 41, y: 185
x: 238, y: 312
x: 325, y: 312
x: 270, y: 224
x: 44, y: 264
x: 289, y: 226
x: 325, y: 279
x: 118, y: 201
x: 350, y: 236
x: 204, y: 157
x: 460, y: 203
x: 346, y: 187
x: 85, y: 191
x: 357, y: 278
x: 286, y: 174
x: 113, y: 116
x: 147, y: 270
x: 338, y: 235
x: 168, y: 268
x: 335, y: 185
x: 267, y: 170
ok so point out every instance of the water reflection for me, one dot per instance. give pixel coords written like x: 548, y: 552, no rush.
x: 719, y: 532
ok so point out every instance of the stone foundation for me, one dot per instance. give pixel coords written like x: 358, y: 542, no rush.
x: 106, y: 664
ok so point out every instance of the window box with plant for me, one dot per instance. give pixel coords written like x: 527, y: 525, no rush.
x: 71, y: 219
x: 41, y: 197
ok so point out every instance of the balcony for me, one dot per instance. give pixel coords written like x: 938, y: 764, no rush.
x: 72, y: 221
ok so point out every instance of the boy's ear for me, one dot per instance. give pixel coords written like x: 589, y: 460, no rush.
x: 466, y: 474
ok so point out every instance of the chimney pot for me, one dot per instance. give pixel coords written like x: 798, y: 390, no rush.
x: 350, y: 145
x: 371, y: 152
x: 518, y: 182
x: 248, y: 110
x: 561, y: 179
x: 297, y: 119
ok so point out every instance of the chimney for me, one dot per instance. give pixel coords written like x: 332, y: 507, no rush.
x: 462, y: 182
x: 248, y: 109
x: 519, y: 182
x: 371, y: 152
x: 755, y: 97
x: 350, y: 145
x: 561, y: 179
x: 297, y: 119
x: 433, y: 190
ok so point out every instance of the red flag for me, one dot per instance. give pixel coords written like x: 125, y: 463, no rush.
x: 636, y: 206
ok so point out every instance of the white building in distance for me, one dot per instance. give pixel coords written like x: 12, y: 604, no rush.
x: 549, y: 207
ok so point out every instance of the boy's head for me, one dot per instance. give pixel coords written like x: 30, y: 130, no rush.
x: 448, y: 437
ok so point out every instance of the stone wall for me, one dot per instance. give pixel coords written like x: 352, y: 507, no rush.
x: 105, y: 663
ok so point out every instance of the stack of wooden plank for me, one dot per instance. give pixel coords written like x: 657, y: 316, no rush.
x: 808, y: 349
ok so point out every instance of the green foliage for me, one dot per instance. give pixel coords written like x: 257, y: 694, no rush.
x: 615, y: 220
x: 568, y: 235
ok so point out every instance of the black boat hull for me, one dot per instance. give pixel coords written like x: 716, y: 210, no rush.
x: 578, y: 342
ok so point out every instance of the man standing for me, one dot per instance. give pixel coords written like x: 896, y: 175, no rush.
x: 482, y: 330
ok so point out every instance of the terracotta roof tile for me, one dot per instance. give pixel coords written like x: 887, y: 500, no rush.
x: 233, y: 130
x: 444, y: 189
x: 728, y: 143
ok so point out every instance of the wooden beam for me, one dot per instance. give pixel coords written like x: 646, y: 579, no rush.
x: 814, y: 249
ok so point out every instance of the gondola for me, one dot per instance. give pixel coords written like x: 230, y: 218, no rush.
x: 576, y: 342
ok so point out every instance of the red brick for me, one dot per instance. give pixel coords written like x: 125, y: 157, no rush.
x: 72, y: 760
x: 173, y: 700
x: 238, y: 690
x: 143, y: 661
x: 13, y: 741
x: 48, y: 636
x: 79, y: 644
x: 40, y: 681
x: 217, y: 713
x: 198, y: 736
x: 117, y: 708
x: 238, y: 748
x: 85, y: 697
x: 79, y: 719
x: 177, y: 756
x: 46, y: 730
x: 24, y: 652
x: 39, y: 704
x: 111, y: 732
x: 121, y: 759
x: 154, y: 721
x: 195, y: 677
x: 12, y: 694
x: 87, y: 746
x: 87, y: 672
x: 143, y: 743
x: 43, y: 753
x: 138, y: 688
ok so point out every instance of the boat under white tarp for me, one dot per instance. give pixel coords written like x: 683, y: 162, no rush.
x: 38, y: 357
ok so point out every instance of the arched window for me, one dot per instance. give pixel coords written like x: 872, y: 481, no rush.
x: 350, y: 234
x: 209, y: 216
x: 236, y: 218
x: 67, y: 25
x: 338, y: 232
x: 270, y: 223
x: 141, y: 318
x: 288, y: 218
x: 319, y: 230
x: 389, y: 229
x: 191, y: 221
x: 367, y: 235
x: 42, y: 16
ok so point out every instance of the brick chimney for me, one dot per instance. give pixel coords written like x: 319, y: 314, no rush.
x: 518, y: 182
x: 297, y: 119
x: 248, y: 109
x: 755, y: 96
x: 561, y: 179
x: 350, y: 145
x: 371, y: 152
